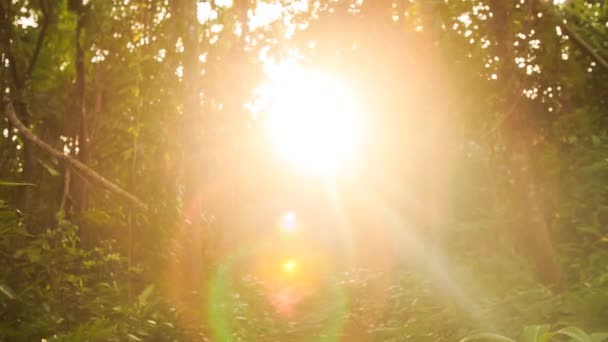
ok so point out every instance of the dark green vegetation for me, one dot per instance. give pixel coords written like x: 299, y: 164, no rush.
x: 481, y: 213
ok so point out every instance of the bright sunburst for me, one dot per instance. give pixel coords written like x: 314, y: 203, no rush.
x: 312, y: 119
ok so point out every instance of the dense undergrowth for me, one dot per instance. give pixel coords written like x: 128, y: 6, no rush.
x: 55, y: 290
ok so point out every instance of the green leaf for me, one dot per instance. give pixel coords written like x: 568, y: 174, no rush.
x: 4, y: 183
x: 50, y: 169
x: 575, y: 333
x: 487, y: 337
x: 599, y: 337
x: 7, y: 291
x: 145, y: 294
x: 533, y: 333
x: 590, y: 229
x: 133, y: 337
x: 33, y: 254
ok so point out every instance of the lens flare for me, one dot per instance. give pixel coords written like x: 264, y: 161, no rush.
x: 312, y: 120
x: 288, y: 223
x: 248, y: 306
x: 285, y: 300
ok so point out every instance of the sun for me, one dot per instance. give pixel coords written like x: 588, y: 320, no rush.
x: 312, y: 120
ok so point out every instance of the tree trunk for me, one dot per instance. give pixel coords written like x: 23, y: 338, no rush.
x: 186, y: 269
x: 20, y: 72
x: 531, y: 228
x: 79, y: 185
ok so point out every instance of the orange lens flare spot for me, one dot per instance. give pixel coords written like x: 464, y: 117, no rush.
x: 285, y: 300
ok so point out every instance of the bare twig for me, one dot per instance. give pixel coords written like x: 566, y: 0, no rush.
x: 85, y: 170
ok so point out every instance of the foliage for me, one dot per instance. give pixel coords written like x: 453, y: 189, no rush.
x: 54, y: 289
x: 538, y: 333
x: 497, y: 106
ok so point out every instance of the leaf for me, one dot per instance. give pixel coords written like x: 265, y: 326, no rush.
x: 589, y: 229
x: 575, y: 333
x: 487, y: 336
x: 50, y: 169
x: 145, y: 294
x: 533, y: 333
x: 4, y: 183
x: 133, y: 337
x: 33, y: 254
x: 599, y: 337
x: 7, y: 291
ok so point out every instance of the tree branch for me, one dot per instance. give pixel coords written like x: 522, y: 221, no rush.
x: 40, y: 39
x: 590, y: 50
x: 578, y: 40
x: 85, y: 170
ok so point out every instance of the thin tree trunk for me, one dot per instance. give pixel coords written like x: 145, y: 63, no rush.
x: 439, y: 126
x: 79, y: 185
x: 531, y: 227
x: 20, y: 74
x: 187, y: 266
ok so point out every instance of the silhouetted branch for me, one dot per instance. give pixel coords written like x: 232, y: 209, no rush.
x: 590, y: 50
x: 82, y: 168
x: 578, y: 40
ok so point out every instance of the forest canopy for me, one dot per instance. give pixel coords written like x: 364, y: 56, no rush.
x: 304, y: 170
